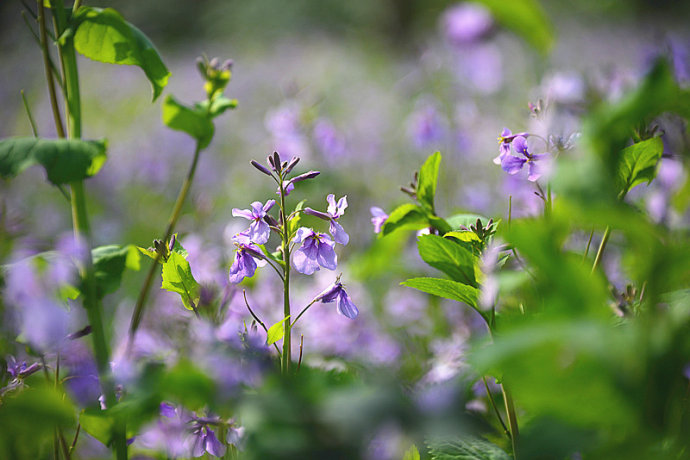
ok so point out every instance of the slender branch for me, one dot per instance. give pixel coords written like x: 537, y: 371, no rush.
x: 512, y: 419
x: 302, y: 312
x: 493, y: 404
x: 76, y: 437
x: 301, y: 347
x: 32, y: 122
x: 589, y: 242
x: 48, y: 71
x: 287, y: 358
x: 174, y: 216
x: 602, y: 246
x: 256, y: 318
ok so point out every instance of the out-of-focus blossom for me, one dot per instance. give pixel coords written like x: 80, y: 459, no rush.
x: 564, y: 88
x: 467, y: 23
x: 334, y: 211
x: 316, y: 250
x: 286, y: 130
x: 489, y: 286
x: 425, y: 126
x: 378, y: 218
x: 259, y: 231
x: 328, y: 140
x: 205, y: 440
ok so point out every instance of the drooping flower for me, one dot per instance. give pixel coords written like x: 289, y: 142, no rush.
x: 336, y: 293
x: 205, y: 440
x: 334, y: 211
x: 245, y: 264
x: 316, y: 250
x: 378, y: 218
x: 259, y: 231
x: 504, y: 141
x: 512, y: 164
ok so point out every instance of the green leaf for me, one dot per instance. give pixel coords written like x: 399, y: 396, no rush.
x: 638, y: 163
x: 405, y: 216
x: 428, y: 177
x: 65, y: 160
x: 445, y: 288
x: 527, y: 19
x: 276, y: 332
x: 109, y: 264
x: 467, y: 448
x: 42, y: 408
x: 191, y: 121
x: 217, y: 106
x: 177, y: 277
x: 412, y: 453
x: 448, y: 256
x: 465, y: 220
x: 465, y: 236
x: 295, y: 221
x: 104, y: 35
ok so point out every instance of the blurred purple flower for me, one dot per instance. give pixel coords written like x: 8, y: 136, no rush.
x: 244, y: 265
x: 316, y: 250
x: 336, y: 293
x: 467, y: 23
x: 425, y: 126
x: 328, y: 140
x: 378, y: 218
x: 504, y: 141
x: 259, y: 231
x: 333, y: 213
x: 512, y: 164
x: 205, y: 440
x: 19, y: 370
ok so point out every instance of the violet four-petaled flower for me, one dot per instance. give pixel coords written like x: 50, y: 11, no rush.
x: 245, y: 264
x: 259, y: 231
x: 336, y: 293
x: 512, y: 164
x: 378, y: 218
x: 205, y: 440
x: 504, y: 140
x: 316, y: 250
x: 334, y: 211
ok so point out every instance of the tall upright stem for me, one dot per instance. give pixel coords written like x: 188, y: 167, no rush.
x: 512, y: 419
x: 287, y: 345
x: 172, y: 221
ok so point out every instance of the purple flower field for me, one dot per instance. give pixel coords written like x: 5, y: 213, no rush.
x: 395, y: 230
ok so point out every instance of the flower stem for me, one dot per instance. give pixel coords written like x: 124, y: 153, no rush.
x: 287, y: 358
x: 512, y: 419
x: 174, y: 216
x: 602, y: 246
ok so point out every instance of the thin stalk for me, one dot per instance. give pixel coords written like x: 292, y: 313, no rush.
x: 48, y: 70
x: 287, y: 358
x: 76, y: 437
x: 301, y: 347
x: 602, y: 246
x: 512, y: 419
x: 496, y: 411
x: 172, y: 221
x: 32, y: 122
x: 589, y: 243
x: 302, y: 312
x: 256, y: 318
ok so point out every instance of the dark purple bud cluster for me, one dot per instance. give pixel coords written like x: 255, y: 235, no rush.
x: 412, y: 188
x: 478, y: 228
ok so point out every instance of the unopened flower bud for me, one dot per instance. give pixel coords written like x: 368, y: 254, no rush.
x: 171, y: 245
x: 276, y: 160
x: 291, y: 165
x: 261, y: 168
x: 315, y: 213
x: 305, y: 176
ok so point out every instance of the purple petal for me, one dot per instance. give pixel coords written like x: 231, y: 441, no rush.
x: 520, y: 145
x: 345, y: 306
x: 304, y: 259
x: 167, y: 410
x: 247, y: 214
x: 535, y: 171
x: 213, y: 445
x: 315, y: 213
x: 512, y: 164
x: 302, y: 234
x: 257, y: 210
x: 269, y: 204
x: 506, y: 133
x: 332, y: 208
x: 338, y: 233
x: 329, y: 294
x: 377, y: 212
x: 326, y: 256
x: 499, y: 159
x: 243, y: 267
x: 259, y: 232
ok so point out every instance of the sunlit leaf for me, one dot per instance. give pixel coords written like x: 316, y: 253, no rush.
x: 276, y: 332
x: 65, y: 160
x: 104, y: 35
x: 405, y: 216
x: 638, y: 163
x: 447, y: 289
x: 191, y: 121
x: 448, y: 256
x: 466, y: 448
x: 428, y: 177
x: 110, y: 263
x: 177, y: 277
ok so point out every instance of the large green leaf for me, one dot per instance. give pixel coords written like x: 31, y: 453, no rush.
x: 65, y: 160
x: 191, y: 121
x: 445, y: 288
x: 428, y: 177
x: 450, y: 257
x: 405, y: 216
x: 526, y: 18
x: 638, y: 163
x: 177, y: 277
x: 104, y: 35
x: 466, y: 448
x: 110, y: 262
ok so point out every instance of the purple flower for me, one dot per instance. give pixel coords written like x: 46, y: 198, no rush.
x: 334, y: 211
x: 336, y: 293
x: 316, y: 250
x: 512, y: 164
x: 20, y: 370
x: 467, y: 23
x: 378, y: 218
x: 425, y: 126
x: 205, y: 440
x: 328, y: 139
x: 259, y: 231
x: 244, y: 265
x: 504, y: 141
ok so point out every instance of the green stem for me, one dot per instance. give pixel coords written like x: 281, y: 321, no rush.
x: 602, y: 246
x: 287, y: 351
x: 493, y: 404
x: 512, y: 419
x: 174, y: 216
x: 304, y: 310
x: 48, y: 71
